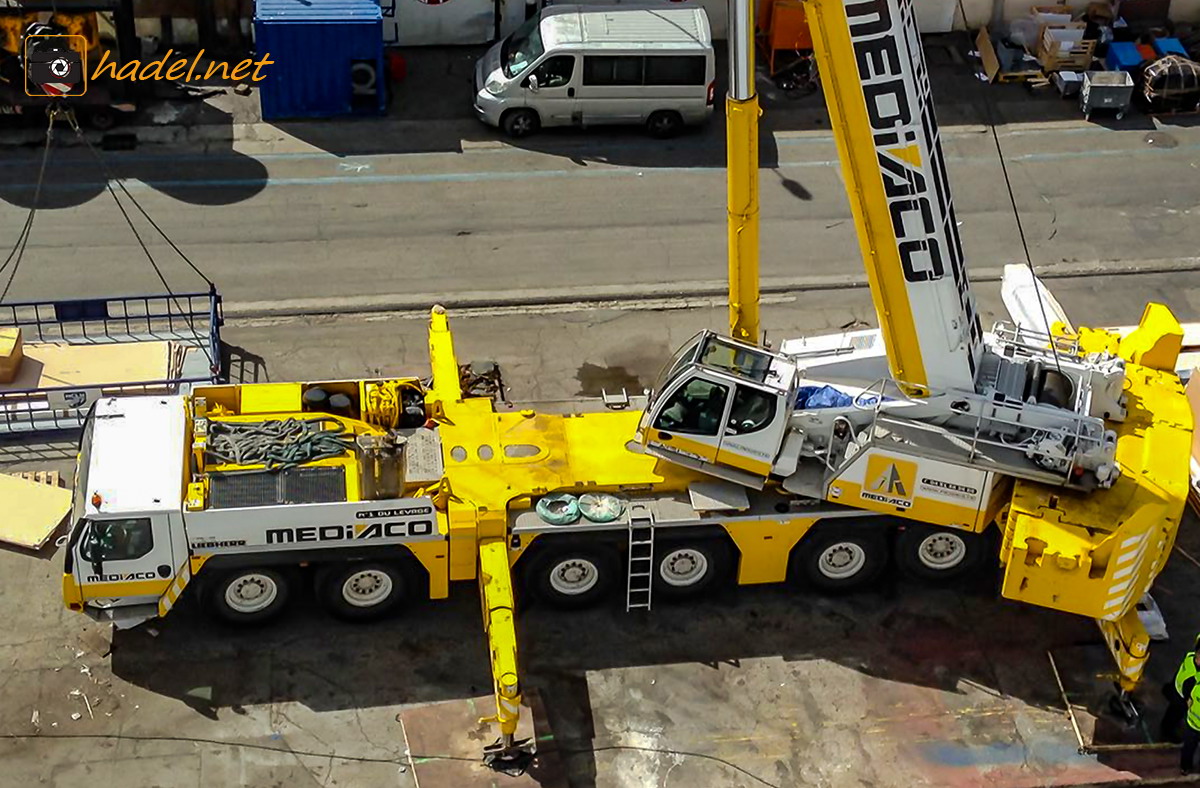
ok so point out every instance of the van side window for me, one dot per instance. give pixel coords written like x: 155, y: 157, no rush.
x: 612, y: 70
x: 675, y: 70
x: 555, y: 72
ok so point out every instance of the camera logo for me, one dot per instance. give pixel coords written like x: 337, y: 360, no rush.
x: 55, y: 65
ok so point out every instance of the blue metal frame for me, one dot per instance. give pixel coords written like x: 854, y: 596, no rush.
x: 191, y: 319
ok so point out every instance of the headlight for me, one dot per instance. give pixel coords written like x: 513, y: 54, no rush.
x: 494, y: 86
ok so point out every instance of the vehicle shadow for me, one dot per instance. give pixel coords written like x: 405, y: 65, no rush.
x: 934, y: 644
x: 75, y: 174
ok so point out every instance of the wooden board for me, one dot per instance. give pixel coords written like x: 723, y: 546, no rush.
x: 991, y: 63
x: 31, y: 510
x: 48, y: 366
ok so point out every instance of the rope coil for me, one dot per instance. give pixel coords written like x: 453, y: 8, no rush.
x: 277, y: 445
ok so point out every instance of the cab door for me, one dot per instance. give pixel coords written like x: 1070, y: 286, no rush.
x: 754, y: 430
x: 691, y: 419
x: 129, y: 559
x: 551, y: 88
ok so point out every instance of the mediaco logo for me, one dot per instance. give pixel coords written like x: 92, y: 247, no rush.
x: 57, y: 64
x: 890, y: 481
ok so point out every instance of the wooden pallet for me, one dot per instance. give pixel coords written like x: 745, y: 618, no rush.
x: 1032, y: 75
x: 1078, y: 58
x: 1075, y: 60
x: 51, y: 478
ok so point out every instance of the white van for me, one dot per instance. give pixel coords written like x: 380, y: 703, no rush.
x: 590, y: 65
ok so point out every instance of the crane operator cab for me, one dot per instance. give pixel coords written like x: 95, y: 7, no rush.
x: 721, y: 407
x: 741, y: 413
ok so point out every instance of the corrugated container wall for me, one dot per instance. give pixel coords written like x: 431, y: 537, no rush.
x: 320, y: 49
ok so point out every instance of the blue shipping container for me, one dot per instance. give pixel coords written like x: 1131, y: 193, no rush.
x: 320, y: 48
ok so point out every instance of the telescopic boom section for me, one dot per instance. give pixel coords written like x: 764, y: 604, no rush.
x: 741, y: 134
x: 877, y: 91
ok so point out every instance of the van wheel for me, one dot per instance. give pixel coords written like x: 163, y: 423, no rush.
x: 101, y: 118
x: 249, y: 596
x: 360, y: 590
x: 935, y: 554
x: 664, y: 124
x: 520, y: 123
x: 842, y: 559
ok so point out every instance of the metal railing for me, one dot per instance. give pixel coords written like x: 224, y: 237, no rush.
x: 190, y: 321
x: 1074, y: 428
x: 1037, y: 341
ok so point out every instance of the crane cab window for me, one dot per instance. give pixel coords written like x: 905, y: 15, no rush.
x: 744, y: 362
x: 753, y: 410
x: 695, y: 409
x: 117, y: 540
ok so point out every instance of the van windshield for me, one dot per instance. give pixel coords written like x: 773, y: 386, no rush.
x: 521, y: 48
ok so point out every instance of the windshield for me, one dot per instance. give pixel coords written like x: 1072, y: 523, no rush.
x: 736, y: 360
x: 521, y: 48
x: 686, y: 355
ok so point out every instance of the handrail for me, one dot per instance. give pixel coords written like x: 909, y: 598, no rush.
x: 1077, y: 430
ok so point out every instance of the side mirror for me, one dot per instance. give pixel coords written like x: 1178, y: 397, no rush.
x: 90, y: 545
x: 533, y: 82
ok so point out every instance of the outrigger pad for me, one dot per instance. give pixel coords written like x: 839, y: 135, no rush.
x: 512, y: 760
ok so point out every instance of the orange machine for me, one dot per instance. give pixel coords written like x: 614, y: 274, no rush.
x: 785, y: 26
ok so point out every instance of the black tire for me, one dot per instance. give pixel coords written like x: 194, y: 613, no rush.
x: 250, y: 585
x: 361, y: 590
x: 591, y: 569
x: 839, y: 558
x: 101, y: 118
x: 664, y: 124
x: 686, y: 569
x: 518, y: 123
x: 932, y: 554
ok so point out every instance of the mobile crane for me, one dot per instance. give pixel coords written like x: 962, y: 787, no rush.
x: 797, y: 461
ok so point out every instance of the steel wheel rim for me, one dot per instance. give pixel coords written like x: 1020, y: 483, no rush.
x: 574, y: 576
x: 942, y: 551
x: 662, y: 123
x: 842, y: 560
x: 523, y: 123
x: 683, y: 567
x: 251, y: 593
x: 367, y: 588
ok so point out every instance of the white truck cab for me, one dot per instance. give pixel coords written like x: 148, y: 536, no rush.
x: 127, y: 541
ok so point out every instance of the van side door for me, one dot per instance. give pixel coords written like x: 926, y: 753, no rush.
x: 550, y: 89
x: 612, y: 89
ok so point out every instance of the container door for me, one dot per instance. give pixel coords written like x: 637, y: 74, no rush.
x: 551, y: 89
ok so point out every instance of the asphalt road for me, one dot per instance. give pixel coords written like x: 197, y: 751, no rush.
x: 569, y: 211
